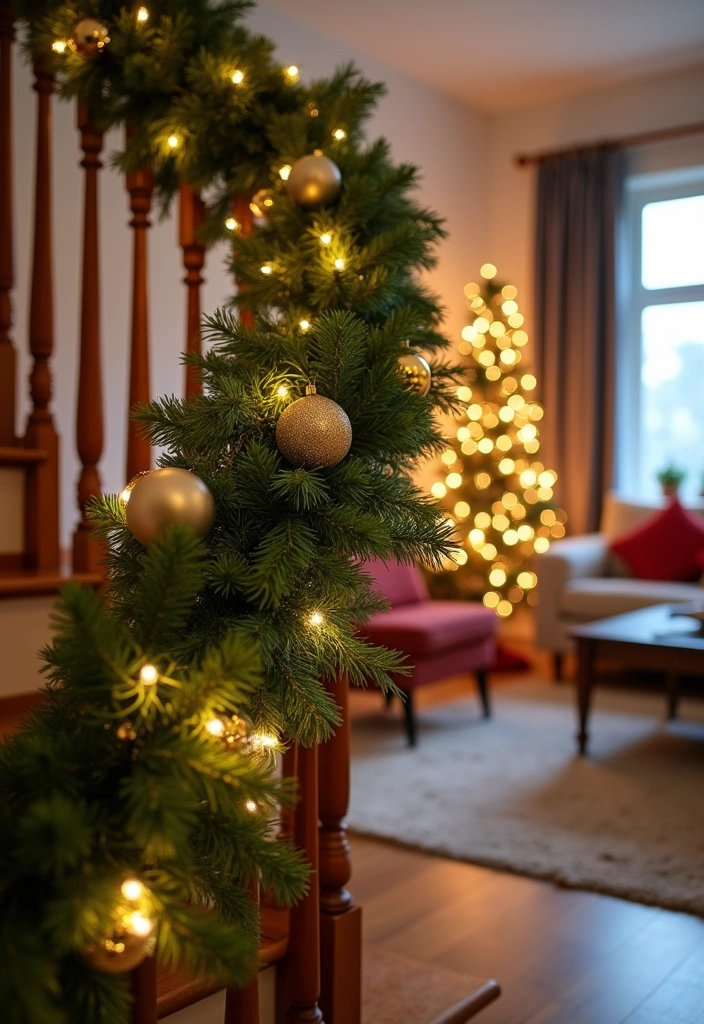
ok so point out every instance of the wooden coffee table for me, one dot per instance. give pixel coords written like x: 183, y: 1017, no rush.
x: 651, y: 638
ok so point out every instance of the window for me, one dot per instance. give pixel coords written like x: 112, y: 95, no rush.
x: 660, y: 398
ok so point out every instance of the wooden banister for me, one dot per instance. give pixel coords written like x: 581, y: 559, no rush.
x: 89, y: 413
x: 140, y: 186
x: 42, y: 491
x: 144, y: 993
x: 8, y: 356
x: 303, y: 961
x: 242, y: 1004
x: 191, y: 213
x: 340, y: 919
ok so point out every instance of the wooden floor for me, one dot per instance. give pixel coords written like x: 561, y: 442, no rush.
x: 561, y: 956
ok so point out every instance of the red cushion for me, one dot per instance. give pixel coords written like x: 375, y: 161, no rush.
x: 664, y: 546
x: 400, y: 584
x: 432, y: 626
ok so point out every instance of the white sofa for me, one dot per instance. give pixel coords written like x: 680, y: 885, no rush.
x: 580, y: 580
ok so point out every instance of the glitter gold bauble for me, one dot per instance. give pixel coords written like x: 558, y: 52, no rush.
x: 122, y: 952
x: 89, y: 37
x: 314, y: 431
x: 314, y: 180
x: 415, y: 372
x: 167, y: 497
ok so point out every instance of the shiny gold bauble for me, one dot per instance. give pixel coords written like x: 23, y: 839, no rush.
x: 314, y: 180
x: 167, y: 497
x: 415, y: 372
x: 314, y: 431
x: 122, y: 952
x: 89, y: 37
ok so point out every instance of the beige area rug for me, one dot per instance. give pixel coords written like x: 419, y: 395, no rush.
x: 511, y: 794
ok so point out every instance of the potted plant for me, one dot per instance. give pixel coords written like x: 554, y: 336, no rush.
x: 670, y: 479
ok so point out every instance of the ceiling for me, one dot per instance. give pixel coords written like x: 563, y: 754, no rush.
x: 498, y: 54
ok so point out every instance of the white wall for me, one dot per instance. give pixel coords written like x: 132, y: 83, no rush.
x: 445, y: 138
x: 644, y: 105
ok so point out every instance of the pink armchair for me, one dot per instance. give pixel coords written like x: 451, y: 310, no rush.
x: 440, y: 638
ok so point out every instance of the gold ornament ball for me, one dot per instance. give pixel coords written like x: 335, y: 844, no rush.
x: 89, y: 37
x: 314, y: 431
x: 122, y: 952
x: 314, y: 180
x: 167, y: 497
x: 415, y: 372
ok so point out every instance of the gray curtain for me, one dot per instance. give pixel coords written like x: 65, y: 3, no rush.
x: 578, y: 206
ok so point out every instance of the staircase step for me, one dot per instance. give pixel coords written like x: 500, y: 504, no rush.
x: 18, y: 456
x: 178, y: 990
x: 28, y: 583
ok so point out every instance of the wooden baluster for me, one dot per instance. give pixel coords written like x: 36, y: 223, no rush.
x: 191, y: 213
x: 242, y: 1004
x: 245, y: 220
x: 8, y: 356
x: 140, y: 185
x: 89, y: 413
x: 42, y: 503
x: 303, y: 960
x: 340, y: 919
x: 144, y: 993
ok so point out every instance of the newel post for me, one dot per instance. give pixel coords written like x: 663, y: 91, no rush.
x: 89, y: 412
x: 340, y: 918
x: 8, y: 356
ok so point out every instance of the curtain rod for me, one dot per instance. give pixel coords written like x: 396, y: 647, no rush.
x: 626, y: 142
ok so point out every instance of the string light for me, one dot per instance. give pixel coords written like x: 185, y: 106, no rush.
x: 59, y: 46
x: 215, y: 726
x: 149, y: 674
x: 132, y: 889
x: 304, y: 325
x: 251, y: 806
x: 339, y: 264
x: 282, y: 391
x: 138, y: 924
x: 231, y: 224
x: 326, y: 238
x: 173, y: 142
x: 316, y: 619
x: 265, y: 741
x: 292, y: 73
x: 237, y: 77
x: 142, y: 15
x: 266, y: 269
x: 339, y: 134
x: 488, y: 270
x: 285, y: 172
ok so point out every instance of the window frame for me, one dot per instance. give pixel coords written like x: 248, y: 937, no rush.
x: 633, y: 297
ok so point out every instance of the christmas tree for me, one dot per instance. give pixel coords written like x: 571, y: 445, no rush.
x: 136, y: 805
x: 499, y: 495
x: 292, y: 466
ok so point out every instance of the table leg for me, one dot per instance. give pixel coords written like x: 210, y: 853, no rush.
x: 673, y: 695
x: 585, y: 682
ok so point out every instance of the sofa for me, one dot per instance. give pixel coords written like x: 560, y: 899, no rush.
x: 580, y: 579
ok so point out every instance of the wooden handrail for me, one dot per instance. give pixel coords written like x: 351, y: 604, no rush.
x: 89, y: 411
x: 42, y: 484
x: 191, y: 213
x: 8, y: 356
x: 140, y: 186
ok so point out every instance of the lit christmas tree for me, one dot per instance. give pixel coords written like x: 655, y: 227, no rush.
x: 499, y: 494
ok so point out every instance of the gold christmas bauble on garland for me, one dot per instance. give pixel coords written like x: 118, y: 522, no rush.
x: 314, y: 431
x: 167, y: 497
x: 122, y: 952
x: 314, y: 180
x: 89, y: 37
x: 415, y: 371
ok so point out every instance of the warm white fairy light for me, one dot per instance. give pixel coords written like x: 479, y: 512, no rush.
x: 316, y: 619
x: 215, y: 726
x: 326, y: 238
x: 173, y: 142
x: 237, y: 77
x: 132, y: 889
x: 138, y: 924
x: 142, y: 15
x: 304, y: 325
x: 339, y: 263
x: 59, y: 46
x: 292, y: 73
x: 251, y: 806
x: 265, y: 741
x: 149, y: 674
x: 266, y: 269
x: 231, y: 224
x: 282, y: 391
x: 339, y: 134
x: 285, y: 172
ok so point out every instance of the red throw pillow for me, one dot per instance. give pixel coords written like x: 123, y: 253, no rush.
x: 665, y: 546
